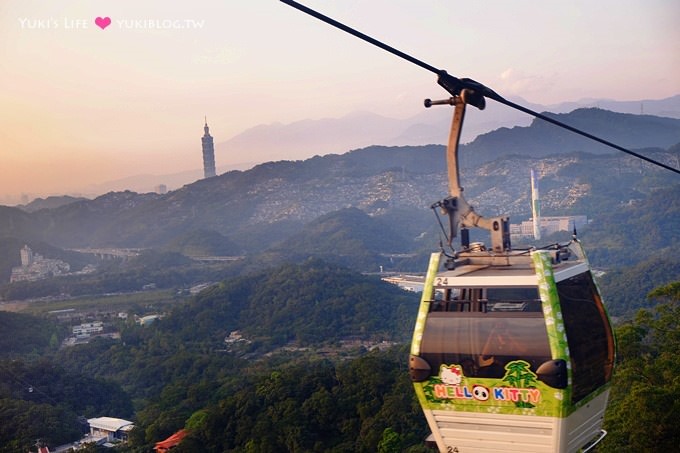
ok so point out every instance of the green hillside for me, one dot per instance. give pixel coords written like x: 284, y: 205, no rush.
x: 305, y: 304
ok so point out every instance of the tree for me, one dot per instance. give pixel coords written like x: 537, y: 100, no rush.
x: 390, y: 442
x: 645, y: 403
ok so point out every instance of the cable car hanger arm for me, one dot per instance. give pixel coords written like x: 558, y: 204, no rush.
x: 455, y: 85
x: 460, y: 213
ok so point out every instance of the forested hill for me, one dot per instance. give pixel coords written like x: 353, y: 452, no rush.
x: 352, y: 238
x: 259, y: 207
x: 544, y: 139
x: 52, y: 202
x: 41, y: 398
x: 305, y: 304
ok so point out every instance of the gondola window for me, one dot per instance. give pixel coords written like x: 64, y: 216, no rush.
x: 507, y: 325
x: 591, y: 344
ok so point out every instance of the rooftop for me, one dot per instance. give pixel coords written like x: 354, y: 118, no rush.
x: 110, y: 423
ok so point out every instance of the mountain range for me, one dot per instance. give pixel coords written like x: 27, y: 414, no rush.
x: 258, y: 208
x: 307, y: 138
x: 304, y: 139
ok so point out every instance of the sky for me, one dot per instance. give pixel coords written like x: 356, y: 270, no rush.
x: 84, y: 101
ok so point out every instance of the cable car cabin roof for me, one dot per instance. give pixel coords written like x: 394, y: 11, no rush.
x: 518, y: 273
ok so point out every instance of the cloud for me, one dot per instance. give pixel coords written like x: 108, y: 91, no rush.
x: 519, y: 83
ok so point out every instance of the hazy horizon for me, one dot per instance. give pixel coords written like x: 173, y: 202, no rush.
x: 80, y: 105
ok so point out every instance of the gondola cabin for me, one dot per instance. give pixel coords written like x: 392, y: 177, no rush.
x: 513, y: 352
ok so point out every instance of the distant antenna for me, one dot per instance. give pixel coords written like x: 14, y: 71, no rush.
x: 535, y: 205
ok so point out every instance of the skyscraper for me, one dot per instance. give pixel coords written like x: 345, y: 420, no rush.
x: 208, y: 153
x: 26, y: 256
x: 535, y: 205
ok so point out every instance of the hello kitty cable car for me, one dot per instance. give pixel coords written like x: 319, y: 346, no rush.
x: 512, y: 350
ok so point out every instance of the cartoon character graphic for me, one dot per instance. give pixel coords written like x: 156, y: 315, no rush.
x: 451, y: 375
x: 480, y: 393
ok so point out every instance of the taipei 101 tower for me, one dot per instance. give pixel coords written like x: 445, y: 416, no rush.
x: 208, y: 153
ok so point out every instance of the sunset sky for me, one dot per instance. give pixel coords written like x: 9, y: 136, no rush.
x: 81, y: 104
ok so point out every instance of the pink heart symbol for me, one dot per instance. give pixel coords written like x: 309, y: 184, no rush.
x: 102, y: 22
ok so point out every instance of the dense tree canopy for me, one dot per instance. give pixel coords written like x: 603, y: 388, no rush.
x: 305, y: 304
x: 645, y: 398
x: 316, y: 406
x: 25, y: 334
x: 42, y: 400
x: 624, y: 299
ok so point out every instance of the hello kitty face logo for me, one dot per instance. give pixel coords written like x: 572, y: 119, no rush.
x: 451, y: 375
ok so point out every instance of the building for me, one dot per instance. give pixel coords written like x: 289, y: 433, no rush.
x: 208, y: 153
x: 161, y: 189
x: 109, y: 429
x: 147, y: 320
x: 549, y: 225
x: 35, y: 267
x: 412, y: 283
x: 171, y: 442
x: 88, y: 328
x: 26, y: 256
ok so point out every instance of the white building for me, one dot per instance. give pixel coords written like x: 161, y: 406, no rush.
x: 103, y: 429
x: 26, y: 256
x: 549, y: 225
x: 88, y: 328
x: 148, y: 319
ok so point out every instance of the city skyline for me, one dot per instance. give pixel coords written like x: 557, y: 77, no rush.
x: 94, y: 92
